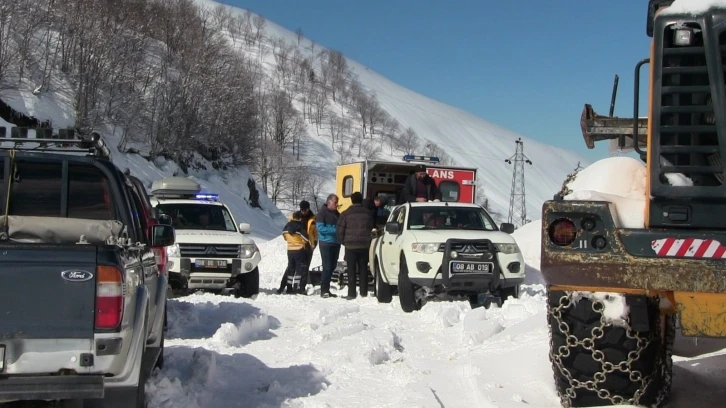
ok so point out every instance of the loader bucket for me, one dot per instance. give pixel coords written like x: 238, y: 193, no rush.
x: 597, y: 127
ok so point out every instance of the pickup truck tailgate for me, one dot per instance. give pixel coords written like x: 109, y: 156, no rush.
x: 47, y: 292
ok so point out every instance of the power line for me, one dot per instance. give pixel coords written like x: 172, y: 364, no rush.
x: 517, y: 197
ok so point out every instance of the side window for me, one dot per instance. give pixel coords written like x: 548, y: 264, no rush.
x: 394, y: 215
x: 401, y: 218
x: 450, y: 190
x: 35, y: 189
x: 88, y: 194
x: 228, y: 223
x: 139, y: 214
x: 347, y: 186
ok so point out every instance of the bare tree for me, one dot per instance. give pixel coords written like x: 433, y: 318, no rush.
x: 390, y: 132
x: 299, y: 34
x: 338, y: 128
x: 432, y: 149
x: 370, y: 150
x: 343, y: 152
x: 320, y: 106
x: 284, y: 123
x: 408, y: 141
x: 314, y: 187
x: 259, y: 23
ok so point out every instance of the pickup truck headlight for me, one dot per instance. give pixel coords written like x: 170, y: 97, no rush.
x: 247, y: 250
x: 507, y: 248
x: 425, y: 247
x: 173, y: 251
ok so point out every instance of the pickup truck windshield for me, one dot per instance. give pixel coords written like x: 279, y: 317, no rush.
x: 439, y: 218
x: 198, y: 216
x: 37, y: 188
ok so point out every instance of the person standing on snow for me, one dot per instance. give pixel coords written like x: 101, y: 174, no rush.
x: 419, y: 186
x: 308, y: 220
x: 354, y: 232
x: 325, y: 222
x: 296, y: 236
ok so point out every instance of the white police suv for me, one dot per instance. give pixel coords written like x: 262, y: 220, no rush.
x: 212, y: 252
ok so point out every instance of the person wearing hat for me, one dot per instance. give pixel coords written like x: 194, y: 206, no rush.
x: 419, y: 186
x: 308, y: 220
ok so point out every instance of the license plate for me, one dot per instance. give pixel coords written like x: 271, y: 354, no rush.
x: 471, y: 267
x: 2, y: 358
x: 210, y: 263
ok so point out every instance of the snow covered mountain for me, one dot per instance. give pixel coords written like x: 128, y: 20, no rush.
x: 46, y: 89
x: 469, y: 140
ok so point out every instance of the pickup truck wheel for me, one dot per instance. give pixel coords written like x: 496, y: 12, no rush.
x: 249, y: 284
x: 596, y: 362
x: 510, y: 292
x: 383, y: 289
x: 406, y: 291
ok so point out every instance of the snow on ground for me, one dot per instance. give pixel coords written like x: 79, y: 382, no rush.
x: 304, y: 351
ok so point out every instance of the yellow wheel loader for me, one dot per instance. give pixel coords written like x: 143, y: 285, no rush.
x: 674, y: 265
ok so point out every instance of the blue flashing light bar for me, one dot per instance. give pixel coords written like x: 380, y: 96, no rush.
x: 207, y: 196
x: 430, y: 159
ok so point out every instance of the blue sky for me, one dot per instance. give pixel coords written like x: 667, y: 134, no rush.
x: 529, y: 66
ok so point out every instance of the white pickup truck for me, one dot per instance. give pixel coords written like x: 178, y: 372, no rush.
x: 212, y: 252
x: 430, y: 249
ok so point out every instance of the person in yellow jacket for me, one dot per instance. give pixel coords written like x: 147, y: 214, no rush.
x: 307, y: 218
x: 296, y: 236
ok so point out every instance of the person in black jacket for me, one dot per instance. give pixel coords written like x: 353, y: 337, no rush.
x: 420, y: 186
x: 354, y: 232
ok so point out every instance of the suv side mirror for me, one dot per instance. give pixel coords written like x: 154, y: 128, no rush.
x: 162, y: 235
x: 392, y: 228
x: 506, y: 227
x: 245, y: 228
x: 165, y: 219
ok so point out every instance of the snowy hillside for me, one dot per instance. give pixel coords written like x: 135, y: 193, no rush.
x: 277, y: 106
x: 469, y: 140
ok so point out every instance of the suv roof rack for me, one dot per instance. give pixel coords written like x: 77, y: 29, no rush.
x: 63, y: 141
x: 180, y: 187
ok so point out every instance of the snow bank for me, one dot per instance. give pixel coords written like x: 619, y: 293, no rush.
x: 693, y: 7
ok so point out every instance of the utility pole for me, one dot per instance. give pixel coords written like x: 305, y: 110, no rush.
x: 517, y: 201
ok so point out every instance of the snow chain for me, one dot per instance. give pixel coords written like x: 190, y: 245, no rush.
x: 625, y: 367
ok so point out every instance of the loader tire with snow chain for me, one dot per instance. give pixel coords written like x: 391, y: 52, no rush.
x: 599, y: 362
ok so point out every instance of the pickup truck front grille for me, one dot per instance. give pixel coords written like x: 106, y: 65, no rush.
x: 476, y: 248
x: 209, y: 250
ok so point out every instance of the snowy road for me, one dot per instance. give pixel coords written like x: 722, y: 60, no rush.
x: 351, y: 353
x: 282, y: 350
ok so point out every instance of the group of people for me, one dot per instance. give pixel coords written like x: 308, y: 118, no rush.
x: 330, y: 229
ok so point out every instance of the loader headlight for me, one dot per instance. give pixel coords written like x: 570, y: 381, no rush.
x: 425, y: 247
x: 507, y: 248
x: 173, y: 251
x: 683, y: 36
x: 247, y: 250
